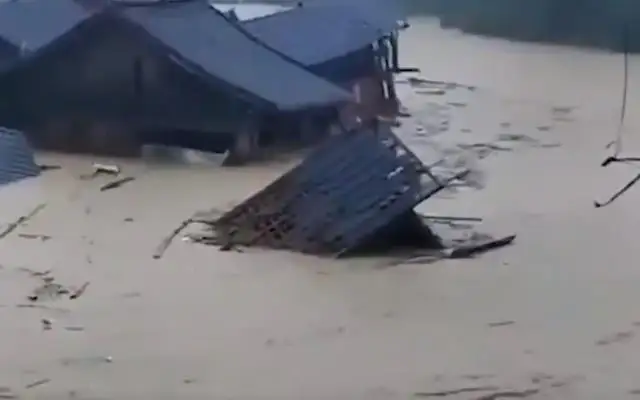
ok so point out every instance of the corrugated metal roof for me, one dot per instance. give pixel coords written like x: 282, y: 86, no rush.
x: 344, y: 193
x: 313, y: 35
x: 32, y: 24
x: 16, y: 157
x: 383, y: 14
x: 204, y: 37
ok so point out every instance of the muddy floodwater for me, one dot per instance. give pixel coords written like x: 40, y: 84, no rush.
x: 553, y: 316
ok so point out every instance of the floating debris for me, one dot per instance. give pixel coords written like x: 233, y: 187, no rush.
x: 41, y: 237
x: 510, y: 394
x: 448, y: 218
x: 501, y: 323
x: 7, y: 393
x: 74, y: 328
x: 483, y: 150
x: 515, y: 137
x: 433, y: 92
x: 106, y: 169
x: 562, y: 109
x: 91, y: 360
x: 21, y: 220
x: 615, y: 338
x: 46, y: 167
x: 38, y: 383
x: 116, y: 184
x: 471, y: 248
x: 47, y: 324
x: 102, y: 169
x: 421, y: 82
x: 453, y: 392
x: 79, y: 292
x: 166, y: 242
x: 48, y: 291
x: 38, y: 274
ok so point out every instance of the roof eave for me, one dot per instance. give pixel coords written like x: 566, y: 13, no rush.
x: 314, y: 105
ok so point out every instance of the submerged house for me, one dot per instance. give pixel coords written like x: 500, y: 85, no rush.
x: 176, y: 73
x: 338, y: 43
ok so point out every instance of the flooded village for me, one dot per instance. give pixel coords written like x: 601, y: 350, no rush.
x: 316, y: 200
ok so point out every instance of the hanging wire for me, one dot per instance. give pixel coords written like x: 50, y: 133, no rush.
x: 625, y: 88
x: 617, y: 143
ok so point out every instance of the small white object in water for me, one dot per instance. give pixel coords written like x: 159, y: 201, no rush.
x: 106, y: 169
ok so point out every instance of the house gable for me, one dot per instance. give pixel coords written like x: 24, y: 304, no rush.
x: 321, y: 34
x: 208, y: 41
x: 106, y: 68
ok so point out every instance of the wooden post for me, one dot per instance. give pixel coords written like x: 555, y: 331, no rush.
x: 388, y: 69
x: 395, y: 54
x: 245, y: 144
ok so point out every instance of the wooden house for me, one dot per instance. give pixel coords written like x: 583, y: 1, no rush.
x: 175, y: 73
x: 340, y: 45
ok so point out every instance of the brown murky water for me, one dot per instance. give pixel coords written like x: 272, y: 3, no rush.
x: 200, y: 323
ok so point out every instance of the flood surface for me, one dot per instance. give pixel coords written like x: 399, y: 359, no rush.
x: 553, y: 316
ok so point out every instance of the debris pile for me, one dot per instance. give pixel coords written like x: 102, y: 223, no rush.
x: 353, y: 194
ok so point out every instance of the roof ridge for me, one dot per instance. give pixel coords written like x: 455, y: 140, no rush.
x: 239, y: 27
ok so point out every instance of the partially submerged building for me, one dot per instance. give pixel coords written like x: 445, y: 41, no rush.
x: 175, y: 73
x: 337, y: 42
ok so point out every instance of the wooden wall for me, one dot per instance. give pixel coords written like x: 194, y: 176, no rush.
x: 95, y: 92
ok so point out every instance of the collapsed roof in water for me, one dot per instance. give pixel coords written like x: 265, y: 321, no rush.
x: 357, y: 191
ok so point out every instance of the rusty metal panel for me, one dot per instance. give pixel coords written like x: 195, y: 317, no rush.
x: 342, y: 194
x: 16, y: 157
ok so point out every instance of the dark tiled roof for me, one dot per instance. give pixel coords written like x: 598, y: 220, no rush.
x: 16, y: 157
x: 313, y: 35
x: 383, y: 14
x: 205, y: 38
x: 32, y: 24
